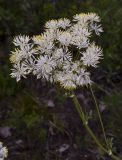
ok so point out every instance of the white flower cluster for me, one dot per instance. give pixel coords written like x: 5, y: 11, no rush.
x: 62, y: 54
x: 3, y: 152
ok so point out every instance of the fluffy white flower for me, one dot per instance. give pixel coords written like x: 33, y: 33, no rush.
x: 16, y: 56
x: 52, y: 24
x: 63, y: 23
x: 22, y: 53
x: 44, y: 45
x: 82, y: 18
x: 3, y: 152
x: 92, y: 55
x: 44, y: 67
x: 97, y: 28
x: 83, y: 77
x: 78, y: 30
x: 80, y: 41
x: 21, y: 40
x: 65, y: 38
x: 38, y: 39
x: 60, y: 55
x: 49, y: 35
x: 30, y: 64
x: 20, y: 70
x: 76, y: 75
x: 67, y: 80
x: 27, y: 51
x: 93, y: 17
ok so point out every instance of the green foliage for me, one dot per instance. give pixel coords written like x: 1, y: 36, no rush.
x: 27, y: 17
x: 26, y: 112
x: 8, y: 86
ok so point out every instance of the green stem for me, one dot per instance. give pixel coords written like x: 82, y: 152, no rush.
x: 82, y: 116
x: 99, y: 115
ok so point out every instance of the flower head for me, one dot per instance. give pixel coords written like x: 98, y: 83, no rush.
x: 63, y: 23
x: 52, y: 24
x: 64, y: 38
x: 92, y: 55
x: 44, y: 67
x: 21, y: 40
x: 20, y: 70
x: 62, y: 54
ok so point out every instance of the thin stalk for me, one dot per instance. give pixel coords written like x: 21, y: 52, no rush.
x: 99, y: 115
x: 82, y: 116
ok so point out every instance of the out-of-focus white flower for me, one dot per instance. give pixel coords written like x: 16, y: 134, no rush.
x: 21, y: 40
x: 92, y: 55
x: 65, y: 38
x: 3, y: 152
x: 63, y: 23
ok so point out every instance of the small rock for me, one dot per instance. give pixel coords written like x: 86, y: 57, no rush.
x: 63, y: 148
x: 50, y: 103
x: 5, y: 132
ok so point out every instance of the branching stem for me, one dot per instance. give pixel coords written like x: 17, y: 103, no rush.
x: 84, y: 120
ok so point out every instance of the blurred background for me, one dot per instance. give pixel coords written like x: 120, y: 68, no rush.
x: 37, y: 120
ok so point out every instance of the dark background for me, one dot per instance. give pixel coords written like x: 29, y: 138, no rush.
x: 37, y: 120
